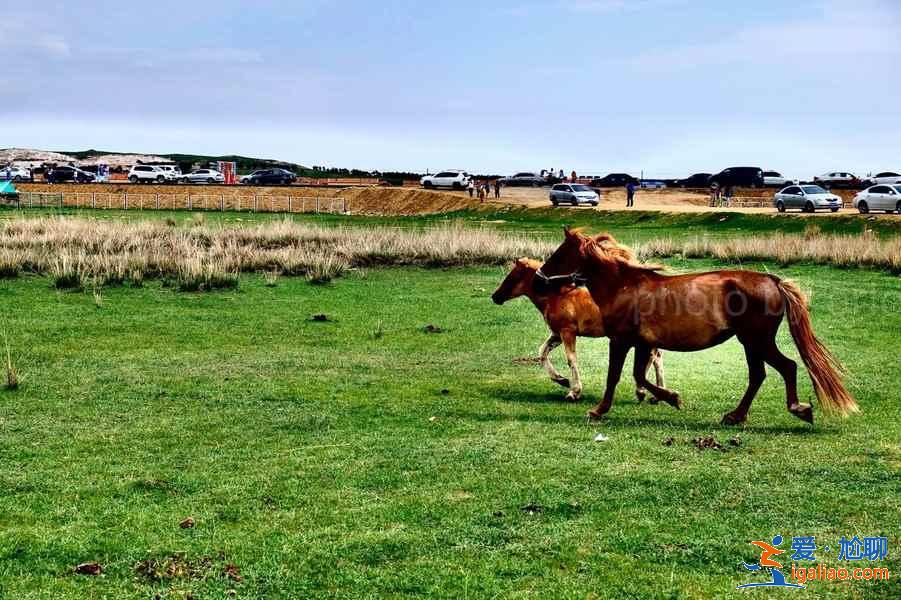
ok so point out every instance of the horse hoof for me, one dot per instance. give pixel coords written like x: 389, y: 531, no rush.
x: 675, y: 401
x: 563, y: 381
x: 593, y: 415
x: 573, y: 397
x: 732, y: 418
x: 640, y: 396
x: 803, y: 412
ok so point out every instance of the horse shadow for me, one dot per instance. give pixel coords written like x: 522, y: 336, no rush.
x: 658, y: 415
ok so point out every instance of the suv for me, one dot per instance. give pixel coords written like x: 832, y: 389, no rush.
x: 172, y: 172
x: 614, y: 180
x: 270, y: 177
x: 457, y: 180
x: 738, y: 177
x: 573, y: 193
x: 525, y: 179
x: 63, y: 174
x: 146, y: 174
x: 837, y: 179
x: 17, y: 174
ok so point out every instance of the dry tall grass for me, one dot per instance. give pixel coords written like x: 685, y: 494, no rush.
x: 864, y: 250
x: 77, y: 252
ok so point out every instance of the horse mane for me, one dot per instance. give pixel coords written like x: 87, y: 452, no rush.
x: 605, y: 248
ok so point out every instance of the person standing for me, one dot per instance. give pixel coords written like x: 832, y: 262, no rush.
x: 714, y: 193
x: 497, y: 188
x: 573, y: 178
x: 630, y: 194
x: 470, y: 187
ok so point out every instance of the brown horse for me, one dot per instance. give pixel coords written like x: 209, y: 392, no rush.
x: 645, y: 309
x: 569, y: 313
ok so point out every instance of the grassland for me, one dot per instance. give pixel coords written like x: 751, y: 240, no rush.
x: 368, y: 455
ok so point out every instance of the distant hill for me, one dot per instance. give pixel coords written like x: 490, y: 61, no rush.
x: 245, y: 164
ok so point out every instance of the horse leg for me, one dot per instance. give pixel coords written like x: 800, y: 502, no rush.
x: 546, y: 348
x: 657, y: 361
x: 642, y: 358
x: 756, y: 375
x: 789, y: 371
x: 569, y: 347
x: 618, y: 352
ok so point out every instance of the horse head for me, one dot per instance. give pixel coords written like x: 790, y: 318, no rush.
x: 518, y: 282
x: 565, y: 265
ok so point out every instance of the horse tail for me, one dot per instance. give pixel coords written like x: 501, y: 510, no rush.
x: 824, y: 368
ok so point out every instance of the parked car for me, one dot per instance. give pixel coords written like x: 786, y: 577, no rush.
x: 17, y: 174
x: 806, y: 197
x: 614, y: 180
x: 698, y: 180
x: 172, y: 172
x: 888, y: 177
x: 525, y: 179
x: 776, y: 179
x: 573, y: 193
x: 652, y: 184
x: 146, y: 174
x: 454, y: 179
x: 63, y: 174
x: 738, y: 177
x: 270, y: 177
x: 204, y: 176
x: 837, y: 179
x: 879, y: 197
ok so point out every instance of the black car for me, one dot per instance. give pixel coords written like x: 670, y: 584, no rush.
x: 738, y: 177
x: 271, y: 177
x: 698, y: 180
x: 614, y: 180
x: 63, y: 174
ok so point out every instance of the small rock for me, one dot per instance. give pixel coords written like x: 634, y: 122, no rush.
x: 187, y: 523
x: 601, y: 438
x: 735, y: 441
x: 89, y: 568
x: 432, y: 419
x: 531, y: 508
x: 232, y: 572
x: 669, y: 441
x: 707, y: 443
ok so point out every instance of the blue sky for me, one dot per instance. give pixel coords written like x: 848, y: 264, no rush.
x: 669, y: 87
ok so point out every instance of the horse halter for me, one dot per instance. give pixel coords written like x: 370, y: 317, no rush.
x: 574, y: 278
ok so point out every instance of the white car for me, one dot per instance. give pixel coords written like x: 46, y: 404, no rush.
x: 204, y: 176
x: 573, y: 193
x: 837, y: 178
x: 776, y: 179
x: 172, y: 172
x: 457, y: 180
x: 886, y: 177
x: 806, y: 197
x: 146, y: 174
x: 11, y: 173
x: 879, y: 197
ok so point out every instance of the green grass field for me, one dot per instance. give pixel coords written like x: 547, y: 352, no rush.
x: 366, y: 457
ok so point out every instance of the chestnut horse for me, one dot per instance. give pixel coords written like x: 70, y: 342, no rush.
x: 569, y: 312
x: 645, y: 309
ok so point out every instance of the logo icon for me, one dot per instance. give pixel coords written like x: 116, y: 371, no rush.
x: 767, y: 551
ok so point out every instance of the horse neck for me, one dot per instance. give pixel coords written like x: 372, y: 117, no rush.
x: 539, y: 300
x: 606, y: 276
